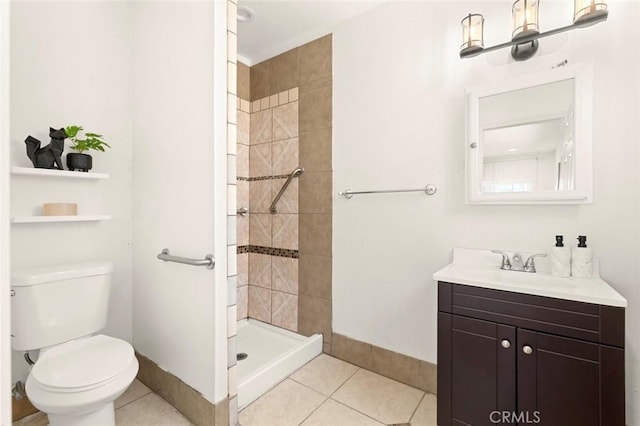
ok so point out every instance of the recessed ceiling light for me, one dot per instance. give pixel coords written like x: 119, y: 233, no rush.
x: 245, y: 14
x: 512, y: 149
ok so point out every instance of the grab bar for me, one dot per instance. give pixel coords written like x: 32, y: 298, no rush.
x: 295, y: 173
x: 429, y: 190
x: 208, y: 260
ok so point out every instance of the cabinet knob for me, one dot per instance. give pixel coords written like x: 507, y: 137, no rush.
x: 527, y: 349
x: 505, y: 343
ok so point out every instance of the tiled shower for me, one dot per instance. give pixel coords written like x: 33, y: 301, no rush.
x: 284, y: 121
x: 268, y: 243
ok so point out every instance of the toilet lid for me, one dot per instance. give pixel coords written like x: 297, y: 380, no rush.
x: 83, y: 363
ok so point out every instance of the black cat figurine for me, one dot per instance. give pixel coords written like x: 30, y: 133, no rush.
x: 49, y: 156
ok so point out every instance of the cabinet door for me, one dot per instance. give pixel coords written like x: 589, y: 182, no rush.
x: 569, y: 382
x: 477, y: 359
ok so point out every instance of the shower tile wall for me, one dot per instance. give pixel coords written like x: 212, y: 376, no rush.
x: 316, y: 188
x: 273, y: 154
x: 284, y: 260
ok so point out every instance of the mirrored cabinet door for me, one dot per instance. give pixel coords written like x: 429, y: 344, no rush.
x: 529, y: 140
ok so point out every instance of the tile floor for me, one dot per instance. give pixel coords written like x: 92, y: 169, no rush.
x: 325, y: 392
x: 330, y: 392
x: 137, y: 406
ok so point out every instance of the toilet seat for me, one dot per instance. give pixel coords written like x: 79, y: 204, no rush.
x: 83, y: 364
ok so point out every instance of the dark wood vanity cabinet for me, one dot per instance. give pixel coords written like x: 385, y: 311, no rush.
x: 510, y: 358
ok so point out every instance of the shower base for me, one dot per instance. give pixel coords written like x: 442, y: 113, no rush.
x: 272, y: 354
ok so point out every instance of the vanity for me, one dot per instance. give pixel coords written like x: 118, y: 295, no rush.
x: 527, y: 348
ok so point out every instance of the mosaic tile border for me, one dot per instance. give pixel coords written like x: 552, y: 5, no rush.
x: 271, y: 251
x: 253, y: 179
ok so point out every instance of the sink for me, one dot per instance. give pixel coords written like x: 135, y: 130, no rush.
x: 498, y: 276
x: 481, y: 268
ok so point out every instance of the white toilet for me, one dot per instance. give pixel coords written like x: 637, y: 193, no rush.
x: 77, y: 375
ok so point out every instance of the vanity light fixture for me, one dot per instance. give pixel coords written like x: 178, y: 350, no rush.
x: 526, y: 32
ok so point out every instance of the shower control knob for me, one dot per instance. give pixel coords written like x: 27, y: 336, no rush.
x: 505, y: 343
x: 528, y: 350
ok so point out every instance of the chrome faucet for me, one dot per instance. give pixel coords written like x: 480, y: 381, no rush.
x: 529, y: 265
x: 506, y: 264
x: 516, y: 263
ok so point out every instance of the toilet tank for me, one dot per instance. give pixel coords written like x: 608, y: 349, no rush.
x: 56, y: 304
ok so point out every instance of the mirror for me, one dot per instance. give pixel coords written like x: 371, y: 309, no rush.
x: 529, y: 140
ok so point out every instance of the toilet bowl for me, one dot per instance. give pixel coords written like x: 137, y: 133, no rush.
x: 76, y: 382
x: 78, y: 374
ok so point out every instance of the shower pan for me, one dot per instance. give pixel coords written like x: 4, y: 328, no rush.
x: 270, y: 355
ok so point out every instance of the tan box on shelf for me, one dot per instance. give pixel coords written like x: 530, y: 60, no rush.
x: 60, y: 209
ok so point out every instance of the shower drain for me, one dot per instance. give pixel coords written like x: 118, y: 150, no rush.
x: 242, y: 356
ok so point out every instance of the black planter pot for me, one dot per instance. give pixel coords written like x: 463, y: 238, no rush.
x: 79, y: 162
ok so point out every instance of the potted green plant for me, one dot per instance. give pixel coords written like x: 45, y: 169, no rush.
x: 77, y: 160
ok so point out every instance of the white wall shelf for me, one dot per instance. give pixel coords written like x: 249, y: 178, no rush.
x: 54, y: 219
x: 30, y: 171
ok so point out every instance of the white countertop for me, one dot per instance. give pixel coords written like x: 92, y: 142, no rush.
x: 481, y: 268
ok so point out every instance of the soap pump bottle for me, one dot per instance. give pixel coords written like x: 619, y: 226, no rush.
x: 560, y: 259
x: 581, y: 259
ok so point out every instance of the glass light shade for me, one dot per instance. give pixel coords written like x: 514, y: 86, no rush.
x: 588, y: 9
x: 472, y: 32
x: 525, y: 18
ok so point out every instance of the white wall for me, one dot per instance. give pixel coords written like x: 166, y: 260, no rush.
x: 173, y: 177
x: 71, y: 64
x: 141, y: 74
x: 5, y: 317
x: 399, y: 123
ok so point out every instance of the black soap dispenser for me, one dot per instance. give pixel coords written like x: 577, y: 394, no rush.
x: 560, y: 259
x: 582, y: 259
